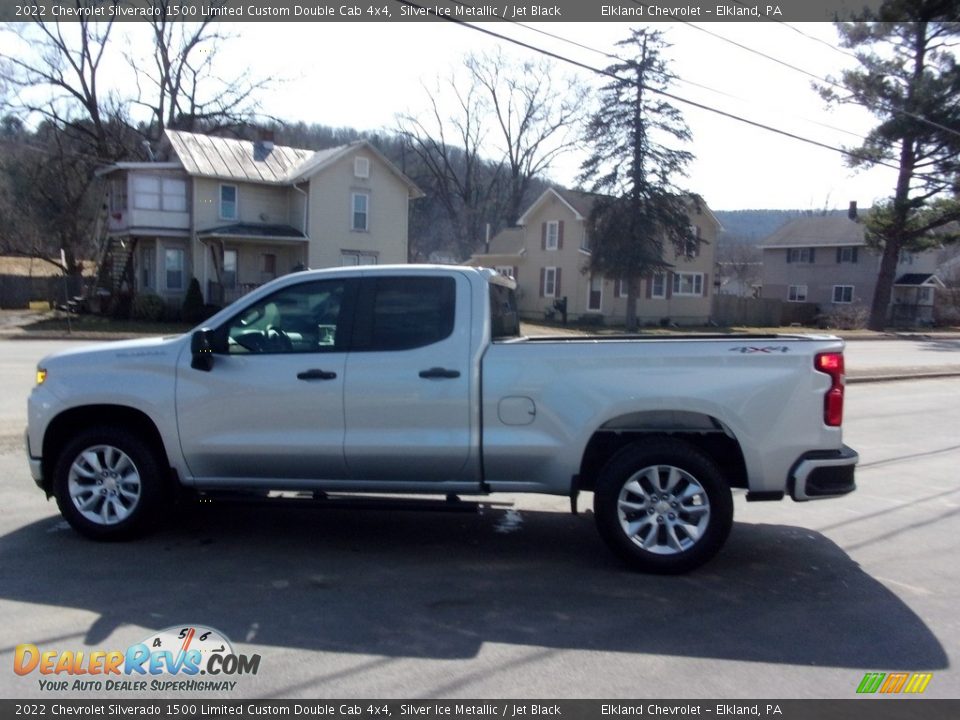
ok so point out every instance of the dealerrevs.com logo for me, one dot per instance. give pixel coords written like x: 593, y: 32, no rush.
x: 169, y: 660
x: 894, y: 683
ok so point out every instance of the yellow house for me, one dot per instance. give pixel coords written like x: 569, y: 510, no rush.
x: 236, y: 214
x: 548, y: 254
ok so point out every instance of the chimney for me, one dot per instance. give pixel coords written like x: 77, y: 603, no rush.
x: 263, y: 146
x: 266, y: 140
x: 852, y: 212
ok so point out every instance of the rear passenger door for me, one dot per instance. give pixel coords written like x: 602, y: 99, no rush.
x: 407, y: 388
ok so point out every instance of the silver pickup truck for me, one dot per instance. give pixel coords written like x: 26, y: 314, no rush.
x: 415, y: 379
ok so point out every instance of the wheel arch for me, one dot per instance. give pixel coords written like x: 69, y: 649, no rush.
x: 69, y: 422
x: 705, y: 432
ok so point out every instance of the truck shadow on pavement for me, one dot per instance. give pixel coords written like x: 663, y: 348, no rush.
x: 440, y: 585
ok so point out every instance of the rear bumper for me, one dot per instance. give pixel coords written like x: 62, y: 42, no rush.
x: 823, y: 474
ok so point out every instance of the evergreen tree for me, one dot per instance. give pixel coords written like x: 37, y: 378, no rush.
x: 909, y: 78
x: 633, y: 138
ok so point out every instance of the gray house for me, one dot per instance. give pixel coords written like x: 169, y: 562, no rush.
x: 825, y: 260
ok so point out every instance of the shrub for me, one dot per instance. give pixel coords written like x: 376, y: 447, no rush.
x: 192, y: 310
x: 849, y: 317
x: 148, y: 307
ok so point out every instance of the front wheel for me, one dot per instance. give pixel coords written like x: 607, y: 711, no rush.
x: 663, y: 506
x: 108, y: 484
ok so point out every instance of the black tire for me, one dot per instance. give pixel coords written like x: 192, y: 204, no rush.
x: 663, y: 506
x: 108, y: 484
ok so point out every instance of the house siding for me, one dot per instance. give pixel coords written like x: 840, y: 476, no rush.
x: 318, y: 206
x: 330, y: 211
x: 821, y: 275
x: 573, y: 262
x: 255, y: 204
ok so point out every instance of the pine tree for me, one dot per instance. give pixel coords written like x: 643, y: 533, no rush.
x: 910, y: 80
x: 639, y: 210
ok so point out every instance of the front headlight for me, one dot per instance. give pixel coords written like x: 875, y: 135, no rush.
x: 41, y: 375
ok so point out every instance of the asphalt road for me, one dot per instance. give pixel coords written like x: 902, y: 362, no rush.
x: 518, y: 600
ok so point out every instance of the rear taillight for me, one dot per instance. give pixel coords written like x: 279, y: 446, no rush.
x: 832, y: 365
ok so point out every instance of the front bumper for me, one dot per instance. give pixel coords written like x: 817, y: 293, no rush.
x: 823, y: 474
x: 36, y: 464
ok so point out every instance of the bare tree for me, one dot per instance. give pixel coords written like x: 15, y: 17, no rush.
x: 58, y: 79
x: 182, y: 90
x: 48, y: 199
x: 52, y: 74
x: 535, y: 111
x: 741, y: 262
x: 449, y: 148
x: 487, y: 137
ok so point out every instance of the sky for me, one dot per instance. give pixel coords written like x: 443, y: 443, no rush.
x: 364, y: 74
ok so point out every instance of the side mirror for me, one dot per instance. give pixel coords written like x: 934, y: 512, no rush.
x: 202, y: 350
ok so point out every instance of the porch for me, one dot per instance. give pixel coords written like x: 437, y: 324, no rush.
x: 238, y: 259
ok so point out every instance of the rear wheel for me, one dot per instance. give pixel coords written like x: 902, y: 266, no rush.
x: 663, y: 506
x: 108, y: 484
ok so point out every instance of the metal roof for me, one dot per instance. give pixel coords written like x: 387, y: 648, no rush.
x: 228, y: 159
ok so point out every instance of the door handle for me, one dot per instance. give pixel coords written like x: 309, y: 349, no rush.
x: 316, y: 374
x: 439, y: 373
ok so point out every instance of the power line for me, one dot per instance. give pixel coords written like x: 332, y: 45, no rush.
x: 656, y: 91
x: 827, y: 81
x: 672, y: 76
x: 818, y: 40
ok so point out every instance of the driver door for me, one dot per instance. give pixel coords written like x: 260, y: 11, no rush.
x: 271, y: 407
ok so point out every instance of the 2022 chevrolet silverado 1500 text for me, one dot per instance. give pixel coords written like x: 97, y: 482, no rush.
x: 415, y: 379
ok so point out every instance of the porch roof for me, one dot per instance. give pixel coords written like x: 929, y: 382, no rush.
x: 918, y: 279
x: 254, y: 231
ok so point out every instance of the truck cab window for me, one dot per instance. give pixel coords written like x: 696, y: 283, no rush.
x: 299, y: 319
x: 403, y: 313
x: 504, y: 319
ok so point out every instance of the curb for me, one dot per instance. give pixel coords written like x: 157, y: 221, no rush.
x: 895, y: 376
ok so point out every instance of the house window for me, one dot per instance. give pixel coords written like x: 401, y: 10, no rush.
x: 797, y: 293
x: 843, y: 293
x: 550, y: 282
x: 229, y: 276
x: 658, y: 285
x: 228, y: 202
x: 505, y: 270
x: 173, y: 264
x: 146, y: 193
x: 925, y: 296
x: 348, y: 258
x: 118, y: 196
x: 688, y: 283
x: 268, y: 266
x: 847, y: 255
x: 595, y: 295
x: 553, y: 235
x: 906, y: 258
x: 361, y: 167
x: 800, y: 255
x: 691, y: 247
x: 360, y: 202
x: 146, y: 267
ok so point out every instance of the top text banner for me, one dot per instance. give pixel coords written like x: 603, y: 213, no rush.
x: 464, y: 11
